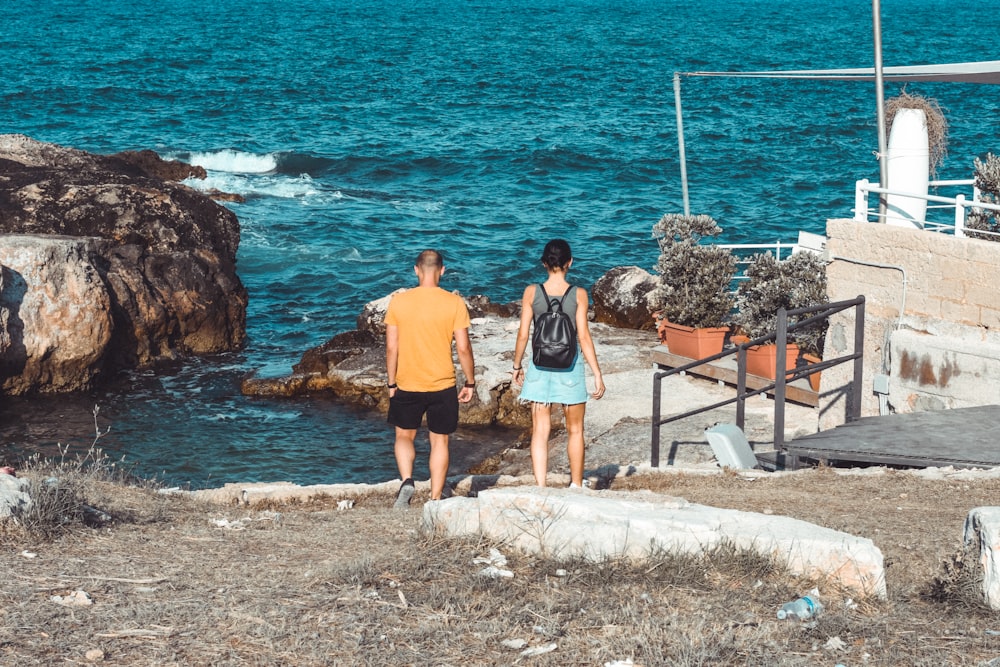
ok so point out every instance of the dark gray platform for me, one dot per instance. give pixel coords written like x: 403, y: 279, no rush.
x: 962, y: 437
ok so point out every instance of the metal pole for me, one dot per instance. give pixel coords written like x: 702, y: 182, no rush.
x: 680, y: 143
x: 741, y: 385
x: 781, y: 354
x: 883, y: 164
x: 854, y: 409
x: 654, y: 452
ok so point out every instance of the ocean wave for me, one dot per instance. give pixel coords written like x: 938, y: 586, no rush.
x: 235, y: 162
x: 248, y: 186
x: 231, y: 161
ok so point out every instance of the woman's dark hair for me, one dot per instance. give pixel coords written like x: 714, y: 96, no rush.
x: 556, y: 254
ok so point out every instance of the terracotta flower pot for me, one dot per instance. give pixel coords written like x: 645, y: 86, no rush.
x: 762, y: 360
x: 691, y: 342
x: 814, y: 378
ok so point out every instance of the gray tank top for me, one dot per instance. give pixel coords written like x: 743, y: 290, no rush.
x: 538, y: 305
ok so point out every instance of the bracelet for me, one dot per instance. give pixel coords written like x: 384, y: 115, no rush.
x: 391, y: 386
x: 470, y: 385
x: 517, y: 368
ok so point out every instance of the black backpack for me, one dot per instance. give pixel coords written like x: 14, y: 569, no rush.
x: 553, y: 343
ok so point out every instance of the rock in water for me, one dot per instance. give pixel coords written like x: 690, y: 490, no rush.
x: 622, y: 298
x: 108, y: 266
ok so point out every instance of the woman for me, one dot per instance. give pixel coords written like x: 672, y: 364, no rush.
x: 544, y: 388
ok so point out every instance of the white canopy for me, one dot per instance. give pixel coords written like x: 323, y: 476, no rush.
x: 986, y: 71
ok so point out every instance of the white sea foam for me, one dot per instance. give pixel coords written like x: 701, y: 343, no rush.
x: 282, y: 187
x: 236, y: 162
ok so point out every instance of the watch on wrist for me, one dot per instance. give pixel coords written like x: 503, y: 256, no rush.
x: 470, y: 385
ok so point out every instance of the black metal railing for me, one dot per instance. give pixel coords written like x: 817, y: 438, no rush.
x: 780, y: 338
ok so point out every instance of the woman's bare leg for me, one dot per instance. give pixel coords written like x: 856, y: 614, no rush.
x: 541, y: 426
x: 574, y: 443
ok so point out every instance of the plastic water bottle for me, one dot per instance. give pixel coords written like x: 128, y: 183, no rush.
x: 803, y: 608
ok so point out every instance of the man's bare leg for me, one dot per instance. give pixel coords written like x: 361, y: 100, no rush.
x: 438, y: 463
x: 406, y: 453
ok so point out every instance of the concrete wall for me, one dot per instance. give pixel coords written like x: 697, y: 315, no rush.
x: 932, y: 321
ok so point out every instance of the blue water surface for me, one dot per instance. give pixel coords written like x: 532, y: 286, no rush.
x: 362, y: 132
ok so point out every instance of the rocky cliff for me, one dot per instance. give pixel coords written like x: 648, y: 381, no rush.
x: 108, y: 263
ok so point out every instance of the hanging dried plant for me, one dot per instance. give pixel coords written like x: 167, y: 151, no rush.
x: 937, y: 126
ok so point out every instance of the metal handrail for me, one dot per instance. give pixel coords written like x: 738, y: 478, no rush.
x: 780, y: 338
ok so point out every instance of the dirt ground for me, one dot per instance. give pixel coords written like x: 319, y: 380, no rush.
x: 174, y: 581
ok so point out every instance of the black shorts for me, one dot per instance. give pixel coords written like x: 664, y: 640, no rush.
x: 407, y: 409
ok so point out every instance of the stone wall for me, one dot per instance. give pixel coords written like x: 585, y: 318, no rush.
x: 932, y: 320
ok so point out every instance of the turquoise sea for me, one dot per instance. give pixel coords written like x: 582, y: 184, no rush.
x: 361, y: 132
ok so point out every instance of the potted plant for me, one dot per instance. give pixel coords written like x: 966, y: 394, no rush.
x: 694, y: 288
x: 797, y: 282
x: 987, y: 180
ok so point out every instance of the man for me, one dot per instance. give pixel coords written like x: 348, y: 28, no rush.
x: 420, y: 325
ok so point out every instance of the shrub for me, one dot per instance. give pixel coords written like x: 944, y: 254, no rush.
x: 694, y: 289
x: 797, y: 282
x: 66, y: 492
x: 987, y: 180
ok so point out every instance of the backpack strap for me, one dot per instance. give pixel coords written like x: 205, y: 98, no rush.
x: 549, y: 301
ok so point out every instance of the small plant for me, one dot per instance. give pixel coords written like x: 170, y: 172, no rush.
x: 987, y: 181
x: 65, y: 490
x: 797, y: 282
x: 695, y: 279
x: 937, y: 126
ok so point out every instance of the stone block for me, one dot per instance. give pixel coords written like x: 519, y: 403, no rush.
x: 990, y: 318
x: 455, y: 516
x: 982, y: 534
x: 982, y: 293
x: 947, y: 371
x: 14, y: 498
x: 960, y: 312
x: 565, y: 524
x: 985, y: 253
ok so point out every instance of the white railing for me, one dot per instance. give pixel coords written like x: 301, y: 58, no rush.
x: 959, y: 204
x: 781, y: 250
x: 743, y: 251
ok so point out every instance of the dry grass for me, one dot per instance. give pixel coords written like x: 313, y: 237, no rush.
x: 306, y: 584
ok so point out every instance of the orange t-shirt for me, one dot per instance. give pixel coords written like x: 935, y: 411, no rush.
x: 428, y: 318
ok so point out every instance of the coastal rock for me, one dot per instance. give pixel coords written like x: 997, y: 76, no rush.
x: 56, y: 313
x: 371, y: 320
x: 372, y: 316
x: 147, y: 163
x: 164, y: 254
x: 622, y: 298
x: 352, y: 364
x: 14, y: 498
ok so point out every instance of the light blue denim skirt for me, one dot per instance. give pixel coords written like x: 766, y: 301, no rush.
x: 568, y: 387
